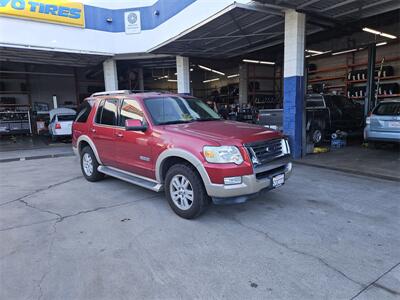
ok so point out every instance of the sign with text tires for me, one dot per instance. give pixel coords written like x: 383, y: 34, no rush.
x: 53, y: 11
x: 132, y: 22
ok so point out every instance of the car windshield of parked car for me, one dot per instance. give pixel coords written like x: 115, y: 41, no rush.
x: 387, y: 109
x: 175, y: 110
x: 66, y: 118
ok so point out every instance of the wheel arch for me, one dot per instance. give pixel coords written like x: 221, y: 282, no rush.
x: 171, y: 156
x: 83, y: 141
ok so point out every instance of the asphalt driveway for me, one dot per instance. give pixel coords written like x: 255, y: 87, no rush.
x: 324, y: 235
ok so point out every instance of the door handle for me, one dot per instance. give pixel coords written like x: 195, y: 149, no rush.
x: 93, y: 130
x: 119, y: 134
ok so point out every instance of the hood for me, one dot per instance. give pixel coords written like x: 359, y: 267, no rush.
x: 225, y: 132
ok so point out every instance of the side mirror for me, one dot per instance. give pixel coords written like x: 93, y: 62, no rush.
x: 135, y: 125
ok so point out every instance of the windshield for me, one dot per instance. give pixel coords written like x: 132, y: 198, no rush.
x: 387, y: 109
x: 175, y: 110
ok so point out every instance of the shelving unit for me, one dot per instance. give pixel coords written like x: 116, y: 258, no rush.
x: 15, y: 119
x: 262, y: 98
x: 343, y: 84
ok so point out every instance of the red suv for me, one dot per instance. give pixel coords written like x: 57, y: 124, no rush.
x: 177, y: 144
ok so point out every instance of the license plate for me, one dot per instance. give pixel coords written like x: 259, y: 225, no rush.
x: 394, y: 124
x: 278, y: 180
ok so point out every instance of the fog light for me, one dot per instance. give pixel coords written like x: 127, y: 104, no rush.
x: 232, y: 180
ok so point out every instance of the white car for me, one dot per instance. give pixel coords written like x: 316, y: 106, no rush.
x: 61, y: 120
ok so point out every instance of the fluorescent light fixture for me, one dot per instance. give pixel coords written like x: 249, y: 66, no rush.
x: 307, y: 56
x: 389, y: 36
x: 172, y: 80
x: 314, y: 51
x: 381, y: 44
x: 204, y: 68
x: 233, y: 75
x: 345, y: 51
x: 373, y: 31
x: 210, y: 80
x: 210, y: 70
x: 252, y: 61
x: 366, y: 29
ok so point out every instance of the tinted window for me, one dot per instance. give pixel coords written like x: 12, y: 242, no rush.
x: 170, y: 110
x: 66, y: 117
x: 387, y: 109
x: 130, y: 109
x: 107, y: 112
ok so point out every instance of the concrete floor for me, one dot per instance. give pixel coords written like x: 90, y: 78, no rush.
x: 324, y: 235
x: 383, y: 162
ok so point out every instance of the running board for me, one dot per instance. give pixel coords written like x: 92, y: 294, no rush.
x: 144, y: 182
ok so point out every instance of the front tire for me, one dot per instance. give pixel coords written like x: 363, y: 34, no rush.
x: 89, y: 165
x: 185, y: 191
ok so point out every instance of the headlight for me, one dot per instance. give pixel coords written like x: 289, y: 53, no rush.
x: 368, y: 121
x: 222, y: 155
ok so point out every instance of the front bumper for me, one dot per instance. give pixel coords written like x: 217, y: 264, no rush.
x: 251, y: 184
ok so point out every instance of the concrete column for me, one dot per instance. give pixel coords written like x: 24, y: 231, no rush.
x: 110, y: 75
x: 243, y: 83
x: 293, y: 82
x: 183, y: 74
x: 140, y: 79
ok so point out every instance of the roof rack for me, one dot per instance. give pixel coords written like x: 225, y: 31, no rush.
x: 127, y: 92
x: 108, y: 93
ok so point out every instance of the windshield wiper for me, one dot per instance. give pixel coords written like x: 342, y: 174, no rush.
x: 175, y: 122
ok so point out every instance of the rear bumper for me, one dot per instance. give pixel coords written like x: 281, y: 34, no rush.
x: 387, y: 136
x: 251, y: 185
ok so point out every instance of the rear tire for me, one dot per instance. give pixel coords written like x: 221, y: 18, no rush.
x: 185, y: 191
x: 89, y: 165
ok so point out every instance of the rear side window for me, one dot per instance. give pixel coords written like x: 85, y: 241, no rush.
x: 83, y: 112
x: 387, y: 109
x: 107, y: 112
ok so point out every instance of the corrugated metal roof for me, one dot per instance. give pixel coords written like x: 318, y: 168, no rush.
x: 240, y: 29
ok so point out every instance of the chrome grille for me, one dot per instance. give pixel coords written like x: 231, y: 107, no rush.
x: 264, y: 151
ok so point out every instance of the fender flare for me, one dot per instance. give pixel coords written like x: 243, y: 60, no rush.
x: 91, y: 144
x: 186, y: 155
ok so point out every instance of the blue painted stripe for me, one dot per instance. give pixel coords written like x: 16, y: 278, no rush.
x: 95, y: 17
x: 293, y: 104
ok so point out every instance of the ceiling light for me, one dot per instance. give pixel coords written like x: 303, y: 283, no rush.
x: 204, y: 68
x: 345, y: 51
x: 381, y: 44
x: 172, y: 80
x: 233, y: 75
x: 314, y: 51
x: 210, y: 80
x: 389, y: 36
x: 373, y: 31
x: 211, y: 70
x: 259, y: 62
x: 191, y: 70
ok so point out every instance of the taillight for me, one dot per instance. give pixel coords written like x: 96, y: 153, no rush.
x: 58, y: 126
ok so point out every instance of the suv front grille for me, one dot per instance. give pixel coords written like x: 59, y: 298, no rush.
x: 265, y: 151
